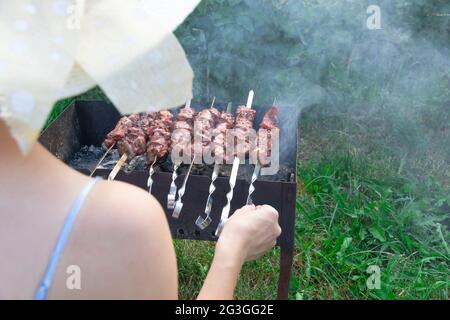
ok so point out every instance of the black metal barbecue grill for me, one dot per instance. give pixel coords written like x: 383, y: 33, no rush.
x: 87, y: 123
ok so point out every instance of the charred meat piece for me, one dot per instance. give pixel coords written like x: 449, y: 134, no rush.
x: 183, y: 125
x: 134, y: 143
x: 146, y: 122
x: 117, y: 133
x: 245, y: 117
x: 204, y: 124
x: 129, y: 135
x: 244, y: 124
x: 166, y: 117
x: 159, y: 143
x: 270, y: 120
x: 268, y: 126
x: 224, y: 123
x: 183, y: 128
x: 187, y: 114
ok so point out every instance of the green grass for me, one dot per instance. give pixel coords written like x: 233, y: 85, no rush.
x: 258, y: 279
x: 362, y: 202
x: 353, y: 213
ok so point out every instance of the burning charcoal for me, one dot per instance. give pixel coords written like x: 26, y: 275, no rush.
x: 137, y: 163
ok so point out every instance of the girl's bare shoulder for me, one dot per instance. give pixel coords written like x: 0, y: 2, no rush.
x: 118, y: 235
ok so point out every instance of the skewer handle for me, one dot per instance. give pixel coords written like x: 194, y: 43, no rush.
x: 179, y: 204
x: 229, y: 107
x: 117, y: 167
x: 255, y: 176
x: 226, y: 209
x: 150, y: 176
x: 251, y: 95
x: 101, y: 159
x: 173, y: 188
x: 204, y: 223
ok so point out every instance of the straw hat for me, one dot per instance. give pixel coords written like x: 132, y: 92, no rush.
x: 50, y: 49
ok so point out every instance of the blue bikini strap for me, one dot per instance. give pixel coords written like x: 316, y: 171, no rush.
x: 46, y: 282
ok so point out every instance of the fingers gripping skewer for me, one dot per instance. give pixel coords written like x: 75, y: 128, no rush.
x: 201, y: 222
x: 101, y: 159
x: 117, y: 167
x: 179, y: 204
x: 150, y: 174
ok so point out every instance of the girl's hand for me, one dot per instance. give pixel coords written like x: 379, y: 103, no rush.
x: 249, y: 233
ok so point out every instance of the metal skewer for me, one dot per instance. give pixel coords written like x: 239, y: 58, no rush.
x: 101, y: 160
x: 151, y: 171
x: 255, y: 176
x: 212, y: 103
x: 234, y: 171
x: 179, y: 204
x: 226, y: 210
x: 173, y: 187
x: 256, y: 173
x: 251, y: 95
x: 201, y: 222
x: 117, y: 167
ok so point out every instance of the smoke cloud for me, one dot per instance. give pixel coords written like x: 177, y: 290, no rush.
x: 324, y: 55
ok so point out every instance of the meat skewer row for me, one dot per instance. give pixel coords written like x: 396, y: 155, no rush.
x: 159, y: 141
x: 225, y: 121
x: 182, y: 139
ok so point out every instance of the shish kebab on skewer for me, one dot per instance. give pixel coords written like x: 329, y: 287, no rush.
x: 263, y: 152
x: 204, y: 121
x: 130, y: 136
x: 159, y: 141
x: 224, y: 122
x: 245, y: 117
x: 182, y: 139
x: 245, y: 120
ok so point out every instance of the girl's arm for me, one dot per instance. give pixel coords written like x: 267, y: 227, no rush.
x: 249, y: 233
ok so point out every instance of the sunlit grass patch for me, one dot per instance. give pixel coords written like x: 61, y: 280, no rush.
x: 258, y: 279
x: 355, y: 210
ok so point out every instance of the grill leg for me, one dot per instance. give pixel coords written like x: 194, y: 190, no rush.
x: 286, y: 260
x: 286, y: 240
